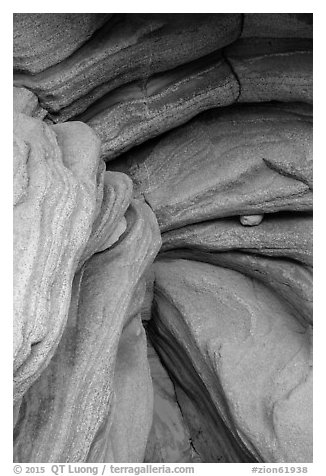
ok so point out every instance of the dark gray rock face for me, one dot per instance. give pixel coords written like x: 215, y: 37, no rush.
x: 163, y: 198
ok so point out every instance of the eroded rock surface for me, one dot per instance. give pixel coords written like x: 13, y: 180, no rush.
x: 98, y: 380
x: 155, y: 42
x: 251, y: 354
x: 205, y: 124
x: 169, y: 439
x: 219, y: 165
x: 42, y: 40
x: 283, y: 236
x: 57, y: 182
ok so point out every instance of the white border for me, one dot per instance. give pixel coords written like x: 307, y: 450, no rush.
x: 319, y: 201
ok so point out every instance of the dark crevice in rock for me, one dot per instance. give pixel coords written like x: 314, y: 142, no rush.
x: 295, y: 174
x: 147, y: 202
x: 227, y: 60
x: 146, y: 323
x: 225, y: 447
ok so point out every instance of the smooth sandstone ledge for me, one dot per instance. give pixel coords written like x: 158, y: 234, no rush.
x: 58, y: 188
x: 251, y: 356
x: 262, y: 70
x: 98, y: 381
x: 244, y: 160
x: 44, y: 39
x: 126, y: 48
x: 291, y: 281
x: 278, y: 235
x: 169, y: 438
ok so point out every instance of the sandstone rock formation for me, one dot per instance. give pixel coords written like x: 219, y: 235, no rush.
x: 98, y: 380
x: 169, y: 439
x: 57, y: 185
x: 224, y: 163
x: 42, y: 40
x: 149, y: 39
x: 278, y: 235
x: 163, y: 195
x: 251, y: 355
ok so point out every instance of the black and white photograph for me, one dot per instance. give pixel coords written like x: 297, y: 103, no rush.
x: 162, y: 241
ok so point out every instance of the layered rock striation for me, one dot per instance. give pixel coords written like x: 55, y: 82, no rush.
x: 181, y: 65
x: 163, y: 197
x: 57, y: 187
x: 98, y: 379
x: 226, y: 162
x: 251, y: 354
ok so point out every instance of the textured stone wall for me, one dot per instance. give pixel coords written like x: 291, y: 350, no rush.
x: 162, y: 237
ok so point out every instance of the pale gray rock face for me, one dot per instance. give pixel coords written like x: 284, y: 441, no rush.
x: 291, y: 281
x: 163, y: 197
x: 81, y: 247
x: 57, y: 184
x: 98, y: 380
x: 26, y: 102
x: 248, y: 351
